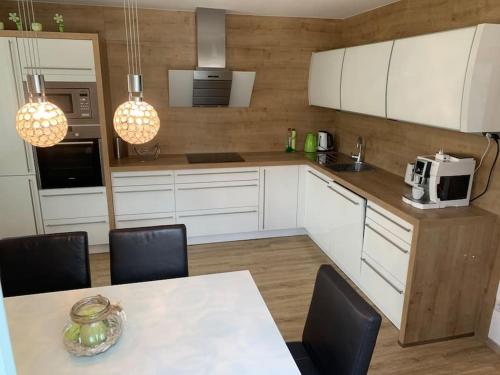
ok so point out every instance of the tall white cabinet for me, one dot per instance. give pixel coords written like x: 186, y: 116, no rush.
x: 19, y: 203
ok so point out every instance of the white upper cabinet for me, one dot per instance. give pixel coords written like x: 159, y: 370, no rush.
x: 325, y: 74
x: 426, y: 78
x: 480, y: 109
x: 60, y: 59
x: 364, y: 78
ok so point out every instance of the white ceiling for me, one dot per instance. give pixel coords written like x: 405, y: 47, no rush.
x: 285, y: 8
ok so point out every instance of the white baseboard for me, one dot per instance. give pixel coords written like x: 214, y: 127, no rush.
x: 246, y: 236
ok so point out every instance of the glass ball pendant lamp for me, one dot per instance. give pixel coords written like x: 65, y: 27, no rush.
x: 40, y: 122
x: 136, y: 121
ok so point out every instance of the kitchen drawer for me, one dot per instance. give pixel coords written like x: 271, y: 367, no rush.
x: 145, y: 220
x: 214, y: 222
x: 389, y: 221
x: 142, y: 178
x: 97, y: 228
x: 389, y: 251
x: 216, y: 175
x: 131, y: 200
x: 216, y: 195
x: 384, y: 293
x: 74, y: 202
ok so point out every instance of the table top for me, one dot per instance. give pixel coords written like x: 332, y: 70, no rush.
x: 211, y: 324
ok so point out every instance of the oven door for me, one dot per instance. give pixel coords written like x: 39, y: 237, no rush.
x: 70, y: 164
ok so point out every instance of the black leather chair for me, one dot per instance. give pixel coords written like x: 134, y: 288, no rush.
x: 147, y: 254
x: 44, y: 263
x: 340, y: 332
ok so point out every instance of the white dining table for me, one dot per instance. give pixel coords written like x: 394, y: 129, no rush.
x: 210, y: 324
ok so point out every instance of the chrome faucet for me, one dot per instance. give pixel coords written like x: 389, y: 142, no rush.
x: 360, y: 146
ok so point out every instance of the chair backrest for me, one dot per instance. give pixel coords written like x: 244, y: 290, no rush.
x: 44, y: 263
x: 341, y: 327
x: 147, y: 254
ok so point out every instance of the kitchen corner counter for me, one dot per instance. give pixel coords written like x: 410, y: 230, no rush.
x: 377, y: 185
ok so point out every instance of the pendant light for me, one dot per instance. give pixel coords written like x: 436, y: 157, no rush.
x: 135, y: 121
x: 38, y: 122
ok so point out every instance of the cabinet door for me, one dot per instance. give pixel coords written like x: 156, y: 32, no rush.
x: 364, y: 78
x: 280, y: 197
x: 318, y: 210
x: 62, y: 59
x: 346, y: 231
x: 18, y: 206
x: 324, y: 78
x: 15, y: 158
x: 426, y: 78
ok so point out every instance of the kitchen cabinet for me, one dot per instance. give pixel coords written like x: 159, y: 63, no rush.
x: 364, y: 78
x: 144, y: 220
x: 97, y: 228
x: 16, y: 157
x: 61, y: 59
x: 19, y: 207
x: 319, y: 209
x: 325, y: 73
x: 426, y: 78
x: 280, y: 197
x: 345, y: 230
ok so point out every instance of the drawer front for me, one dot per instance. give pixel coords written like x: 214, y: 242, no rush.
x: 73, y: 203
x: 389, y: 221
x: 216, y: 175
x: 133, y: 200
x: 214, y: 222
x: 149, y: 220
x: 97, y: 228
x: 389, y: 251
x: 388, y: 297
x: 216, y: 195
x: 142, y: 178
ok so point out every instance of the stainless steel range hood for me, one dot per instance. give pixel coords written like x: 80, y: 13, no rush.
x: 211, y: 84
x: 211, y: 80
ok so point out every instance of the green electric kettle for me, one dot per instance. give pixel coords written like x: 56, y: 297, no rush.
x: 311, y: 142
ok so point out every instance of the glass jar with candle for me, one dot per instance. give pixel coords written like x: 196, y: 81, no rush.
x: 95, y: 326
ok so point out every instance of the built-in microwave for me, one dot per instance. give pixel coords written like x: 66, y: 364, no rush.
x: 78, y: 101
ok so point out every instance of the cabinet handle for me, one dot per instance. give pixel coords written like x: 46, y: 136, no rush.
x: 70, y: 194
x: 219, y: 213
x: 143, y: 175
x: 387, y: 239
x: 343, y: 195
x: 382, y: 276
x: 391, y: 220
x: 210, y: 173
x: 215, y: 187
x: 321, y: 178
x: 83, y: 222
x: 53, y: 68
x: 141, y: 191
x: 74, y: 143
x: 152, y: 218
x: 264, y: 203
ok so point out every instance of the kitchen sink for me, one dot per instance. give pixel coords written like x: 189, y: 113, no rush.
x: 350, y: 167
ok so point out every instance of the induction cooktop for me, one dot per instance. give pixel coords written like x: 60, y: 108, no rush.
x: 220, y: 157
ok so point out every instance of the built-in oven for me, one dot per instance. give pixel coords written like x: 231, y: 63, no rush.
x: 74, y: 162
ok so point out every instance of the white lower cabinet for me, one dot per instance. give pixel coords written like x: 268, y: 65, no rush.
x: 220, y: 221
x: 279, y: 192
x: 19, y: 207
x: 135, y: 200
x: 144, y: 220
x: 385, y: 259
x: 97, y: 228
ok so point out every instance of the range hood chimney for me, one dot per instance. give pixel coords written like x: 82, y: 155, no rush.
x: 211, y: 80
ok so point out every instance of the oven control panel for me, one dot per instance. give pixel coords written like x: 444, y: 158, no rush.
x: 84, y: 104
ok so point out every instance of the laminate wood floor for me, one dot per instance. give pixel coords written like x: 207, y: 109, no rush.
x: 284, y: 269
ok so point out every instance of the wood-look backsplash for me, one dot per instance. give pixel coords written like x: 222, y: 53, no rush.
x: 278, y: 49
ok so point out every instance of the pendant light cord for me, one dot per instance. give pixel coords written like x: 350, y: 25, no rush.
x: 131, y: 15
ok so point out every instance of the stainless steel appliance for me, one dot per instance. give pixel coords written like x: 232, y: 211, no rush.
x: 78, y: 101
x: 74, y: 162
x: 325, y: 141
x: 439, y: 181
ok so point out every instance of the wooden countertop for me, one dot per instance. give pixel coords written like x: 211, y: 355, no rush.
x: 381, y: 187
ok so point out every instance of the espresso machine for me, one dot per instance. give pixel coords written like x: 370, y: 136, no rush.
x: 439, y: 181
